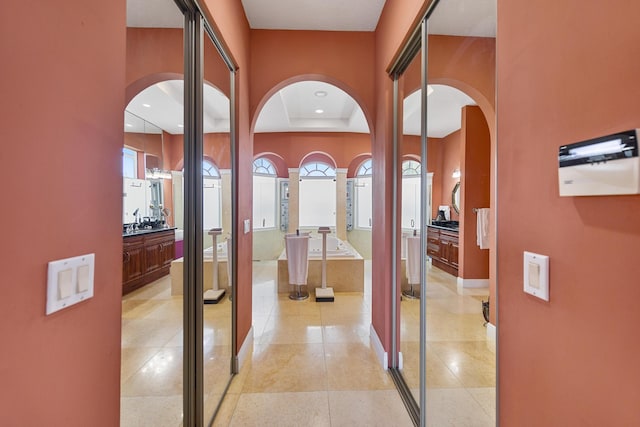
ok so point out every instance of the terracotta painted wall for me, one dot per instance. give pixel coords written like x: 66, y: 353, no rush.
x: 62, y: 145
x: 451, y: 160
x: 394, y: 26
x: 566, y: 73
x: 475, y: 164
x: 294, y: 146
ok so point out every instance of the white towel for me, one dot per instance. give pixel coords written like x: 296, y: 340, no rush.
x: 482, y: 231
x: 413, y: 260
x: 297, y: 248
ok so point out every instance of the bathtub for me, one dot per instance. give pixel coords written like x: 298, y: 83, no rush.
x: 336, y: 248
x: 345, y: 266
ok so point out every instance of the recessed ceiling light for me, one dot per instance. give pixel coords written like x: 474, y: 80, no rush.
x: 319, y: 111
x: 129, y: 125
x: 146, y: 105
x: 320, y: 93
x: 180, y: 126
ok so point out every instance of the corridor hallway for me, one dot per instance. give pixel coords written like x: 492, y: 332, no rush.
x: 313, y: 363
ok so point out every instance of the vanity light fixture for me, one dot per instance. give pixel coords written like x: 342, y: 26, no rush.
x: 320, y: 93
x: 319, y: 111
x: 156, y: 173
x: 456, y: 174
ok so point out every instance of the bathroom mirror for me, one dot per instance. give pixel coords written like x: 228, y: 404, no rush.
x: 455, y: 197
x: 217, y: 215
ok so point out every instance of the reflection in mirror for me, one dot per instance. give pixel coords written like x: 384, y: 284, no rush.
x: 217, y: 233
x: 152, y: 316
x: 455, y: 197
x: 410, y: 223
x: 460, y: 359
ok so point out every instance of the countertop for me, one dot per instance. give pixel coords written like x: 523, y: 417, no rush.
x: 455, y: 230
x: 142, y: 232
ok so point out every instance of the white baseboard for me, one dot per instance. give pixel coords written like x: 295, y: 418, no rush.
x: 245, y: 349
x: 491, y: 332
x: 383, y: 356
x: 471, y: 283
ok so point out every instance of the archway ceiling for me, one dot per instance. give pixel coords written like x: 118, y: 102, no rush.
x: 296, y: 108
x: 293, y: 107
x: 444, y: 111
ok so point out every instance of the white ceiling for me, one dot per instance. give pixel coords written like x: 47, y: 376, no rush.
x: 162, y: 105
x: 293, y: 108
x: 296, y: 107
x: 327, y: 15
x: 443, y: 110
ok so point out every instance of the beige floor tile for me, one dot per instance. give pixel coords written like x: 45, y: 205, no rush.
x: 153, y: 411
x: 134, y: 358
x: 226, y: 410
x: 382, y: 408
x: 354, y: 366
x: 293, y: 329
x: 148, y: 333
x: 486, y: 397
x: 159, y: 376
x: 455, y: 408
x: 438, y: 374
x: 287, y: 367
x: 282, y: 410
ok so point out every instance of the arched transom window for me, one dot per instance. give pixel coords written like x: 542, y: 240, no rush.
x: 317, y: 169
x: 262, y: 166
x: 410, y: 167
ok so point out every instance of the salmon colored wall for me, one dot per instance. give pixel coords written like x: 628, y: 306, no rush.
x: 572, y: 360
x: 451, y: 160
x: 395, y: 24
x: 216, y: 148
x: 279, y: 58
x: 475, y: 163
x: 231, y: 24
x: 294, y: 146
x: 62, y: 145
x: 356, y: 162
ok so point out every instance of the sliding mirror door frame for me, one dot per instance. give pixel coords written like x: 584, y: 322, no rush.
x: 196, y: 22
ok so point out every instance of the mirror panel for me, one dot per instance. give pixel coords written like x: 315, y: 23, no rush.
x: 410, y: 222
x: 152, y: 314
x: 217, y: 233
x: 460, y: 360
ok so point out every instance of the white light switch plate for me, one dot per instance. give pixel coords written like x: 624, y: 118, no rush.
x: 536, y: 275
x: 69, y: 281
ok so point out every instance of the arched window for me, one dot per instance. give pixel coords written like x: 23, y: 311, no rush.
x: 317, y: 197
x: 262, y: 166
x: 209, y: 169
x: 410, y: 167
x: 264, y: 194
x: 364, y: 195
x: 317, y: 169
x: 366, y: 168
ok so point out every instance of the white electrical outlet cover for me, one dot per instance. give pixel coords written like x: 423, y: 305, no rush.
x: 536, y: 275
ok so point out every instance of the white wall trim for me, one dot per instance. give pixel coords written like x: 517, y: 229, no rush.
x: 491, y: 332
x: 245, y: 349
x: 471, y: 283
x: 383, y: 356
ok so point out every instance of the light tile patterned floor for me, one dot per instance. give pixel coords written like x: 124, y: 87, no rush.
x: 312, y: 363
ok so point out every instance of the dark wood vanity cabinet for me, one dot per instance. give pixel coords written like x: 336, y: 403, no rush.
x: 146, y: 257
x: 442, y: 247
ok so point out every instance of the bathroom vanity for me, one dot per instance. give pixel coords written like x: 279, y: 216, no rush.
x: 442, y: 247
x: 146, y: 256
